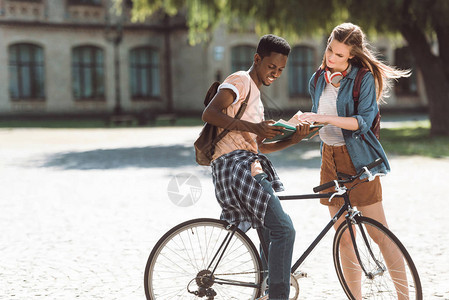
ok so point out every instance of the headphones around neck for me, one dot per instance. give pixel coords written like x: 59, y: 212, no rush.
x: 335, y: 77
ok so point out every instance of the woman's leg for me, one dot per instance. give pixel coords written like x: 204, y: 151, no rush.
x: 391, y: 254
x: 352, y: 272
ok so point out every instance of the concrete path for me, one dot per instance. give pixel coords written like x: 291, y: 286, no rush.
x: 81, y: 209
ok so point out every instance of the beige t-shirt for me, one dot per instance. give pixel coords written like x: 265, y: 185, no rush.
x: 239, y: 83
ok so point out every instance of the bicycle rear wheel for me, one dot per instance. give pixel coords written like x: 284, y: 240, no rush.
x: 180, y: 262
x: 388, y: 274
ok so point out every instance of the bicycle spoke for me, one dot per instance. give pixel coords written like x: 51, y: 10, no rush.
x: 178, y: 263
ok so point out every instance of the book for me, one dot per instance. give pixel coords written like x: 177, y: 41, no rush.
x: 289, y: 128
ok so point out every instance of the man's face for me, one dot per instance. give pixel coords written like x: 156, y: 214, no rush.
x: 269, y: 68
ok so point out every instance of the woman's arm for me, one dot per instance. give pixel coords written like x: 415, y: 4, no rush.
x: 348, y: 123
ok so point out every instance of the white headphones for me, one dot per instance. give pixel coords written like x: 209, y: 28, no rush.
x: 335, y: 77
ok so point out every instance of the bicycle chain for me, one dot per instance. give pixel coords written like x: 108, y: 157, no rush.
x: 240, y: 273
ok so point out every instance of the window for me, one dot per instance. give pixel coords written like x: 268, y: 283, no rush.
x: 26, y: 72
x: 242, y: 58
x: 301, y: 67
x: 85, y: 2
x: 144, y: 71
x: 88, y: 73
x: 404, y: 60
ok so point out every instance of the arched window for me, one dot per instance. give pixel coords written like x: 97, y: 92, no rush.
x: 242, y: 57
x: 144, y: 73
x: 301, y: 63
x: 88, y: 73
x: 26, y: 72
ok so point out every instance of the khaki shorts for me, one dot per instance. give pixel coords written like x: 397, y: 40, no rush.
x: 336, y: 159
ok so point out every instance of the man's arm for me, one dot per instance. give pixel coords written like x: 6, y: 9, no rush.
x: 213, y: 114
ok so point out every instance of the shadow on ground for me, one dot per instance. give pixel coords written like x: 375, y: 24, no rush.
x: 163, y: 157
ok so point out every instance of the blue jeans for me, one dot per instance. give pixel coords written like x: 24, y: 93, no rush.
x: 279, y: 234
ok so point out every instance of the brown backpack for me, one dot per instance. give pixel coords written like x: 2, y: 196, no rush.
x: 375, y: 127
x: 205, y: 143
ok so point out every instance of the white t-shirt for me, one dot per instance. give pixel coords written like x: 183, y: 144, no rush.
x: 330, y: 134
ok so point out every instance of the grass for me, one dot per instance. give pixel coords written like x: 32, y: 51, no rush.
x: 414, y: 139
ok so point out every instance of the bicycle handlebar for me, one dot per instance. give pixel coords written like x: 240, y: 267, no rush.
x: 350, y: 179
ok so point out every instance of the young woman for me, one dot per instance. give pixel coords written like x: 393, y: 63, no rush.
x: 348, y: 143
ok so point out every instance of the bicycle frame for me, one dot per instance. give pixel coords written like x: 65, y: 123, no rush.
x: 233, y: 228
x: 346, y: 207
x: 325, y: 230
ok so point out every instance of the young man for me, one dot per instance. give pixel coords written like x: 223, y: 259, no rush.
x: 244, y: 179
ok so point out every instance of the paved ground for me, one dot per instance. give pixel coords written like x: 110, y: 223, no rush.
x: 81, y: 209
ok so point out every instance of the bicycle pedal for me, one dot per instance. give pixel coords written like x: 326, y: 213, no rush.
x: 300, y: 274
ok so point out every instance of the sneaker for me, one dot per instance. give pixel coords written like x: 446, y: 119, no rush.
x: 263, y: 297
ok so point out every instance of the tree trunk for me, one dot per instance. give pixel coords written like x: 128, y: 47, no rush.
x: 435, y: 81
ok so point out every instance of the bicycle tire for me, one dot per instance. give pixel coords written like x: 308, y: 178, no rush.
x: 183, y: 254
x: 382, y: 282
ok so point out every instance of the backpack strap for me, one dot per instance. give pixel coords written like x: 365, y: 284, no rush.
x: 244, y: 105
x: 211, y: 93
x: 237, y: 116
x: 356, y: 89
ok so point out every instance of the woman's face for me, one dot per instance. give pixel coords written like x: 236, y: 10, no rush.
x: 337, y: 55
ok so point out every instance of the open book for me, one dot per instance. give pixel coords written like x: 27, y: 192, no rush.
x: 290, y: 128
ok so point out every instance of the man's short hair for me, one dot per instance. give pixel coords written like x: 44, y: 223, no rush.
x: 272, y: 43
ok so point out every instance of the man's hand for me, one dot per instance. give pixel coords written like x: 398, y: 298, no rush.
x: 265, y: 130
x: 302, y: 130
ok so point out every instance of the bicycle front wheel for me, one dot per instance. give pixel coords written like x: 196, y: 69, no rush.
x: 377, y: 266
x: 179, y: 267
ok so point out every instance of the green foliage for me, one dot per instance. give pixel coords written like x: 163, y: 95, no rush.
x: 296, y: 18
x: 289, y: 18
x: 414, y: 140
x: 202, y: 16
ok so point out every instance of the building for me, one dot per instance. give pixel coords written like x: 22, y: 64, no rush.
x: 81, y: 58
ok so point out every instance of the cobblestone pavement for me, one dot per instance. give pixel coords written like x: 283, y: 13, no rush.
x: 81, y: 209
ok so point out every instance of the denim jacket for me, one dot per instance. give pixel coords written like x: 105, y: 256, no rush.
x: 361, y: 152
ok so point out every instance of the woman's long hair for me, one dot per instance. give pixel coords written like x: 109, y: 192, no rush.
x: 351, y: 35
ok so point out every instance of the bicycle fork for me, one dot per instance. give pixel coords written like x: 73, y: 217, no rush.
x: 351, y: 219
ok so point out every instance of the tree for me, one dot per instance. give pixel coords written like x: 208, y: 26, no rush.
x: 424, y: 24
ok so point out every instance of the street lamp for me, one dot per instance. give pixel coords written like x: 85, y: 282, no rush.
x: 114, y: 34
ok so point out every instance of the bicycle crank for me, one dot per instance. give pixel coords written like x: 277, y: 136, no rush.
x: 294, y: 287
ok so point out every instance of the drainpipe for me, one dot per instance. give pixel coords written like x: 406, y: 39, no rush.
x: 117, y: 41
x: 168, y: 72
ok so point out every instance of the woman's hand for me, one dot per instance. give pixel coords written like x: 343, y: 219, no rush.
x: 314, y: 118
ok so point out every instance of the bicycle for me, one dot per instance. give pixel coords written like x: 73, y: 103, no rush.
x: 211, y: 259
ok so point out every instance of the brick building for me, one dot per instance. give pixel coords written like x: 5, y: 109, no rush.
x: 79, y: 57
